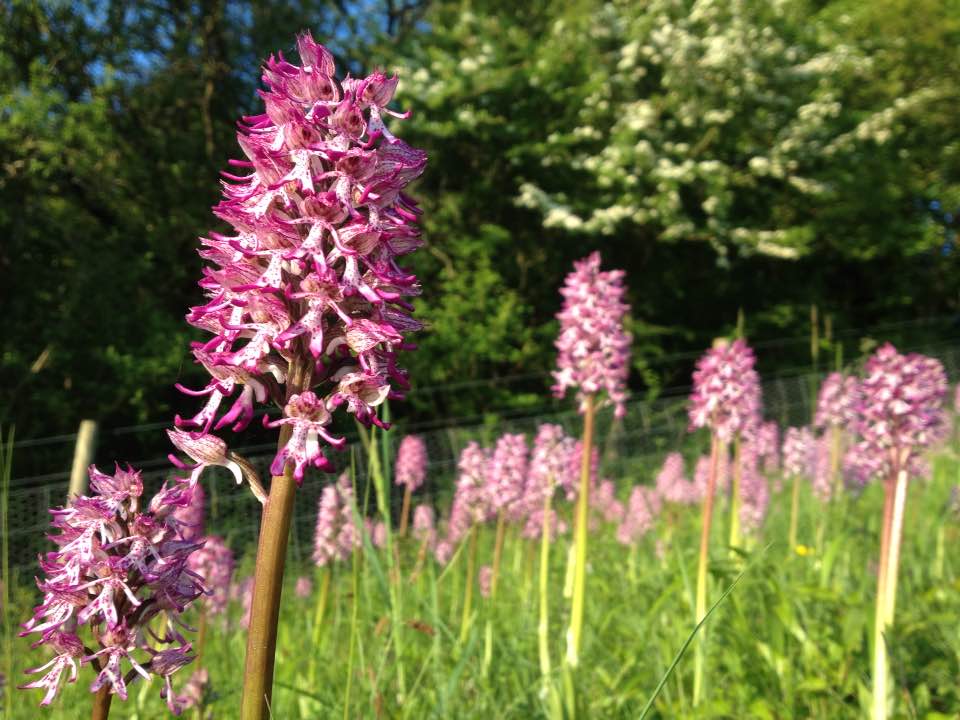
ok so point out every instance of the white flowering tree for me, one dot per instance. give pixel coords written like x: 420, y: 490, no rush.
x: 786, y: 141
x: 739, y: 124
x: 732, y: 123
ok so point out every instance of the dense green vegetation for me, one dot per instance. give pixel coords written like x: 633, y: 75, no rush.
x: 791, y: 640
x: 748, y: 156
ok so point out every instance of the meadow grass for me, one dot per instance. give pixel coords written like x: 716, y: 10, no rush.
x: 791, y: 640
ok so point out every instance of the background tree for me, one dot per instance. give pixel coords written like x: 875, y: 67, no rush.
x: 729, y: 156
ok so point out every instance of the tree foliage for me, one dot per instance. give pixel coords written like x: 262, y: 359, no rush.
x: 729, y: 155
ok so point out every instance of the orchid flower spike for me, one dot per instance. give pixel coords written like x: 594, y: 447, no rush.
x: 115, y: 587
x: 307, y: 305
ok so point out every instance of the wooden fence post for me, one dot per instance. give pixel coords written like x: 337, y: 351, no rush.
x: 82, y: 457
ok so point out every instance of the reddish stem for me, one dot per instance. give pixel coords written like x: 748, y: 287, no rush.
x: 101, y: 703
x: 267, y: 587
x: 405, y: 512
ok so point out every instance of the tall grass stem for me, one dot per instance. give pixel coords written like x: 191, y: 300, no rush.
x: 318, y: 616
x: 880, y: 689
x: 794, y: 514
x: 575, y: 633
x: 896, y: 541
x: 494, y: 575
x: 405, y: 511
x: 543, y: 628
x: 468, y: 587
x: 735, y: 497
x: 382, y: 488
x: 716, y: 447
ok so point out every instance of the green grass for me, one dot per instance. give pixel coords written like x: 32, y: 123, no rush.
x: 791, y: 640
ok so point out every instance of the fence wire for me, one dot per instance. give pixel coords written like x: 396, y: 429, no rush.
x: 631, y: 452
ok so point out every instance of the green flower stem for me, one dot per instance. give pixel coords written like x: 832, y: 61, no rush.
x: 497, y: 553
x: 468, y: 588
x: 716, y: 447
x: 494, y: 575
x: 735, y: 496
x: 487, y: 645
x: 198, y: 658
x: 543, y: 628
x: 575, y: 633
x: 896, y: 539
x: 318, y: 615
x: 529, y: 566
x: 354, y: 624
x: 836, y: 453
x: 794, y: 514
x: 421, y: 559
x: 879, y: 708
x: 393, y: 558
x: 405, y: 512
x: 321, y: 604
x: 201, y: 637
x: 828, y: 516
x: 518, y: 556
x: 836, y: 515
x: 940, y: 552
x: 571, y: 567
x: 554, y: 706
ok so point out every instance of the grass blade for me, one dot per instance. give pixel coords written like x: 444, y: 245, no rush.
x: 690, y: 637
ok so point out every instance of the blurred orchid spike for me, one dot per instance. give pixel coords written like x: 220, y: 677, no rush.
x: 484, y: 580
x: 537, y: 521
x: 799, y: 447
x: 411, y: 462
x: 411, y: 471
x: 837, y: 402
x: 767, y: 440
x: 192, y: 515
x: 423, y: 525
x: 672, y: 486
x: 243, y: 591
x: 702, y: 472
x: 574, y: 458
x: 641, y: 513
x: 303, y: 587
x: 605, y: 502
x: 900, y: 413
x: 335, y: 535
x: 471, y: 499
x: 822, y: 471
x: 726, y: 393
x: 507, y: 476
x: 754, y: 491
x: 593, y: 348
x: 554, y: 463
x: 214, y: 563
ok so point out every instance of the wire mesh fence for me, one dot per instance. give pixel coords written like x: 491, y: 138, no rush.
x: 631, y: 451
